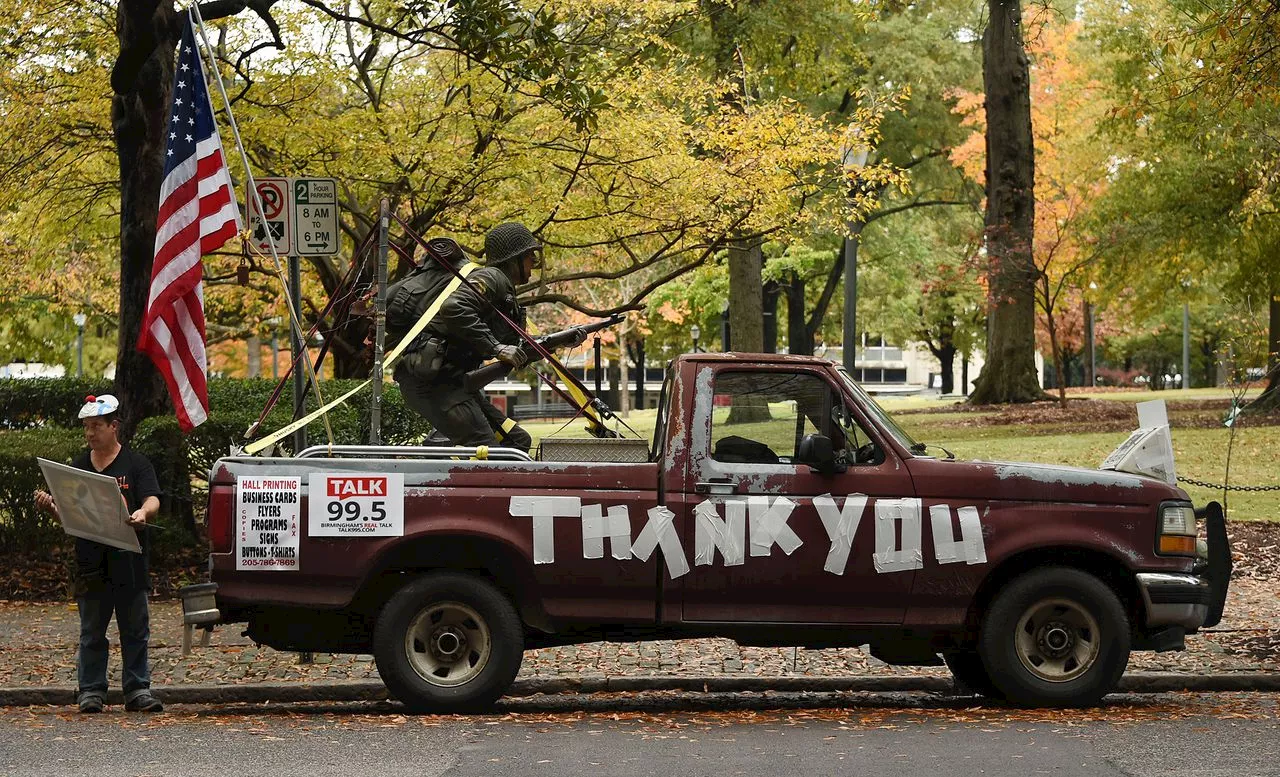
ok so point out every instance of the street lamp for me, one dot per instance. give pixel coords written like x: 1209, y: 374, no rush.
x: 1186, y: 336
x: 695, y: 332
x: 80, y: 320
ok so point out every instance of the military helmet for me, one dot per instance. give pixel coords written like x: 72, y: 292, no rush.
x: 508, y: 241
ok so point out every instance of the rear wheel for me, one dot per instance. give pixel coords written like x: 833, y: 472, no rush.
x: 1055, y: 637
x: 448, y: 642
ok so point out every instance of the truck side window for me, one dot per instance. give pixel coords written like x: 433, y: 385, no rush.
x: 760, y: 417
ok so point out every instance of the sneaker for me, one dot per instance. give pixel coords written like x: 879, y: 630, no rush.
x: 143, y: 701
x: 90, y: 702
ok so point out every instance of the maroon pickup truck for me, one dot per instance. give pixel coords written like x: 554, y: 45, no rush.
x: 777, y: 505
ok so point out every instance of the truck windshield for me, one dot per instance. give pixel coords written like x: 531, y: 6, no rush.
x: 875, y: 411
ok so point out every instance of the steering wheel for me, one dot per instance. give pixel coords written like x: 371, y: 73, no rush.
x: 866, y: 454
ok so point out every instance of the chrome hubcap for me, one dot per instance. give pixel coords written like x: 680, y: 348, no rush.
x: 448, y: 644
x: 1057, y: 640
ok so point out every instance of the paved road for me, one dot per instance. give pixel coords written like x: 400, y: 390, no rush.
x: 662, y: 734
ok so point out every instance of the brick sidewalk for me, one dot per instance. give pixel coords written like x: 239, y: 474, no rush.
x: 38, y: 646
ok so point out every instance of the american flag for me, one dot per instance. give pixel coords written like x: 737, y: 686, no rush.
x: 198, y: 214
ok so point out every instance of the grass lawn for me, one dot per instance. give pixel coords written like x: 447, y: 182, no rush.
x: 1199, y: 453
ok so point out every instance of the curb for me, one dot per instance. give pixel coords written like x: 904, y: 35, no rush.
x: 1143, y: 682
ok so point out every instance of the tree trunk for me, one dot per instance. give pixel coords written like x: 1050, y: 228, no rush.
x: 799, y: 337
x: 947, y: 362
x: 1009, y: 374
x: 746, y: 297
x: 1058, y: 366
x: 1269, y: 399
x: 1087, y: 353
x: 139, y: 113
x: 254, y: 365
x: 746, y: 305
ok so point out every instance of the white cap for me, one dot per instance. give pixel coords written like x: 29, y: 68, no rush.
x: 96, y: 406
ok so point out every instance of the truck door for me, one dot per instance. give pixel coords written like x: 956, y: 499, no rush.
x: 779, y: 542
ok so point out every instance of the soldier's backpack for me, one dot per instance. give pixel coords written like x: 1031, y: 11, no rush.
x: 410, y: 296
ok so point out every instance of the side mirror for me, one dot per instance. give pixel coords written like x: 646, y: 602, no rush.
x: 816, y: 451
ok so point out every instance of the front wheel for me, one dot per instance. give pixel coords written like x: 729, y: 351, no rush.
x: 1055, y: 637
x: 448, y: 642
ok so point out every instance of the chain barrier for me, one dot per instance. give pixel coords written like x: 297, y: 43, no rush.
x: 1227, y: 487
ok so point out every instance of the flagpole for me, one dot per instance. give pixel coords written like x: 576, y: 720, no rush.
x: 294, y: 313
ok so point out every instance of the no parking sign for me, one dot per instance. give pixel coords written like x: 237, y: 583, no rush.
x: 276, y: 218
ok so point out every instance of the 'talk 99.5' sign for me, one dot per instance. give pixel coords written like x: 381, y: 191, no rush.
x: 355, y: 505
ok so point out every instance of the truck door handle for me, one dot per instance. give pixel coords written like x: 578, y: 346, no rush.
x: 715, y: 486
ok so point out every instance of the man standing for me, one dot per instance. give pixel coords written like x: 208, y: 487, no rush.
x: 465, y: 331
x: 110, y: 579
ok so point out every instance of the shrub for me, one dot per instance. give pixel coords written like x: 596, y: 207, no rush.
x: 22, y: 527
x: 30, y: 402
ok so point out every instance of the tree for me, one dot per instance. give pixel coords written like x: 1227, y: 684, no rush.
x: 922, y: 283
x: 1071, y: 173
x: 142, y: 81
x: 1194, y: 150
x: 582, y: 121
x: 1009, y: 372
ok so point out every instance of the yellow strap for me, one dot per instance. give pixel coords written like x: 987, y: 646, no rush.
x: 580, y: 398
x: 277, y: 436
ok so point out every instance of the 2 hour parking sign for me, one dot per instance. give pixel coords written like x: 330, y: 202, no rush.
x: 356, y: 505
x: 315, y: 216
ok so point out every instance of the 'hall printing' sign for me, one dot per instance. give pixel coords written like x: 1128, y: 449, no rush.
x: 268, y: 511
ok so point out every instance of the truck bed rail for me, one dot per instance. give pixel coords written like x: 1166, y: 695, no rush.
x: 411, y: 451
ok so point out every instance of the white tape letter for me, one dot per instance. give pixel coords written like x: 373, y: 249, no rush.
x: 660, y: 531
x: 841, y: 525
x: 712, y: 532
x: 543, y: 509
x: 595, y: 527
x: 888, y: 557
x: 769, y: 525
x: 970, y: 548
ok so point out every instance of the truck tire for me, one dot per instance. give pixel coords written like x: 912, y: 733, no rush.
x: 448, y: 642
x: 1055, y: 637
x: 969, y: 673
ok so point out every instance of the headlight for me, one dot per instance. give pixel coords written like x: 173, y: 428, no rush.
x: 1177, y: 519
x: 1177, y: 530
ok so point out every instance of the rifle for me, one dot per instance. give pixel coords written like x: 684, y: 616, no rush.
x: 482, y: 376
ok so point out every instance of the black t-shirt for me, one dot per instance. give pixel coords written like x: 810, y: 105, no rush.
x: 99, y: 564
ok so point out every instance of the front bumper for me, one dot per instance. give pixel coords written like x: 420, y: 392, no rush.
x: 1192, y: 601
x: 1174, y: 600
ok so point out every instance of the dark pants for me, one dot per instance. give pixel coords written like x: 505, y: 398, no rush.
x: 465, y: 417
x: 134, y: 621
